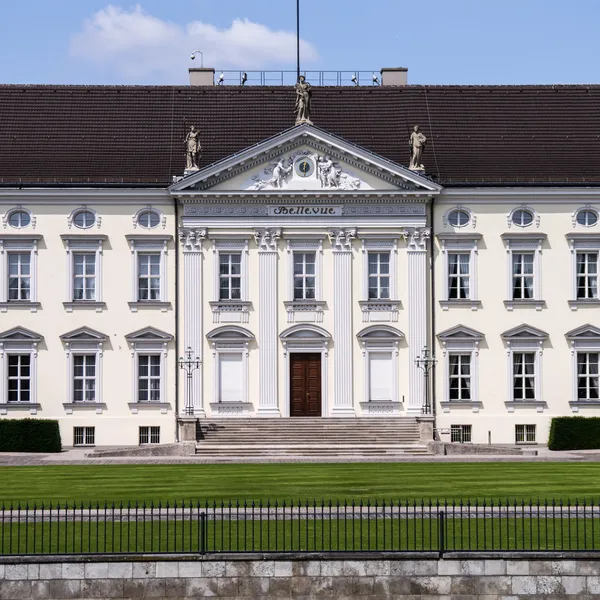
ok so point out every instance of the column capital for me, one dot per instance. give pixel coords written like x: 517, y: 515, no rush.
x: 266, y: 238
x: 416, y: 239
x: 341, y: 239
x: 191, y: 239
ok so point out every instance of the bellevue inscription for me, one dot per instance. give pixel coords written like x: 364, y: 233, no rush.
x: 305, y: 211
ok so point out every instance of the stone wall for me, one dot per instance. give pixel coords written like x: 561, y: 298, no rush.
x: 368, y: 577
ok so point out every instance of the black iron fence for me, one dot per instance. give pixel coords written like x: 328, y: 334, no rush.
x: 317, y: 526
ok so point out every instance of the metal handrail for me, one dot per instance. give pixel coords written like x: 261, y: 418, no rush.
x: 282, y: 78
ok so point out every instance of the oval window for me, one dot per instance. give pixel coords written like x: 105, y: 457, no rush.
x: 459, y: 218
x: 522, y: 217
x: 19, y: 219
x: 587, y: 218
x: 84, y: 219
x: 148, y: 219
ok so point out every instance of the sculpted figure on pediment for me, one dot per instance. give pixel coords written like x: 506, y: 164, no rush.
x: 303, y: 101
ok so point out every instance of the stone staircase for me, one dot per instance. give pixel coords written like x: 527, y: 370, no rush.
x: 237, y: 439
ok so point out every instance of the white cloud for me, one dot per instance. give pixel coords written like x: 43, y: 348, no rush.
x: 137, y: 45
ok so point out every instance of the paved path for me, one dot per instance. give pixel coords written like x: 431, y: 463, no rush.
x: 77, y: 456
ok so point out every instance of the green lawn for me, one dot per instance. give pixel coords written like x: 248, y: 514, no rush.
x: 300, y: 481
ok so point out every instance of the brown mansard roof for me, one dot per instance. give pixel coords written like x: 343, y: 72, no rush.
x: 477, y: 135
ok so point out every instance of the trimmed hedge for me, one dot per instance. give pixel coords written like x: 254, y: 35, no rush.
x: 29, y: 435
x: 574, y: 433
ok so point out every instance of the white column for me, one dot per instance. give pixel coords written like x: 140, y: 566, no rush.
x: 417, y: 315
x: 268, y: 405
x: 191, y: 243
x: 343, y: 375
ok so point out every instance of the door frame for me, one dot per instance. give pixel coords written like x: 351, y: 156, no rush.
x: 306, y: 339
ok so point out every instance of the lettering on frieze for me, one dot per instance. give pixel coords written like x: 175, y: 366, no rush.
x: 305, y: 211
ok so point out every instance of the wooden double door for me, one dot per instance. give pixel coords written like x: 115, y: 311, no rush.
x: 305, y: 385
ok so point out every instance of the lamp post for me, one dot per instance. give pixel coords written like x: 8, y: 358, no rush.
x: 189, y: 365
x: 426, y: 362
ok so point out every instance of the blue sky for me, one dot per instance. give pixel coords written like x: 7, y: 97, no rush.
x: 440, y: 41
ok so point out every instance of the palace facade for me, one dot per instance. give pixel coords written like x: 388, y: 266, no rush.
x: 306, y: 267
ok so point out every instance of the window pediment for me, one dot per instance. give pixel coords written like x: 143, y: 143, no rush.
x: 525, y: 333
x: 84, y: 334
x: 149, y: 334
x: 305, y: 332
x: 20, y: 334
x: 379, y: 333
x: 460, y: 333
x: 585, y: 332
x: 229, y: 333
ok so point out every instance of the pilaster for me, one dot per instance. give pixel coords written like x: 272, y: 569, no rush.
x: 191, y: 244
x: 416, y: 240
x: 266, y: 239
x: 341, y: 242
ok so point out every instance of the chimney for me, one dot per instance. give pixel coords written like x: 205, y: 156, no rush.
x: 394, y: 76
x: 202, y: 76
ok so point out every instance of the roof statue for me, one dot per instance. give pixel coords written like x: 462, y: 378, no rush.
x: 193, y: 149
x: 303, y: 101
x: 417, y: 143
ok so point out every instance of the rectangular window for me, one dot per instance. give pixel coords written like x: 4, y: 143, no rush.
x: 460, y: 377
x: 379, y: 275
x: 84, y: 436
x: 84, y: 378
x: 19, y: 378
x: 522, y: 276
x: 230, y: 276
x: 84, y: 277
x: 459, y: 276
x: 149, y: 435
x: 461, y: 434
x: 587, y: 375
x: 380, y: 376
x: 587, y: 275
x: 525, y: 434
x: 304, y: 275
x: 231, y: 377
x: 149, y: 378
x: 524, y: 376
x: 148, y: 277
x: 19, y: 276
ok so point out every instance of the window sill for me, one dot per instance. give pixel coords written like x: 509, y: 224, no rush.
x: 84, y: 304
x: 539, y: 405
x: 32, y: 407
x: 20, y: 305
x: 381, y: 407
x: 473, y: 404
x: 512, y: 304
x: 136, y: 406
x: 231, y: 408
x: 71, y: 406
x: 135, y: 306
x: 460, y: 303
x: 577, y: 404
x: 305, y: 311
x: 575, y: 304
x: 374, y: 311
x: 230, y: 311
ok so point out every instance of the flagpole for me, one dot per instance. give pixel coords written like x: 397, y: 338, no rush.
x: 297, y: 39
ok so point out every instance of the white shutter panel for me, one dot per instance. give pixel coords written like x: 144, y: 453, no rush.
x: 380, y: 376
x: 230, y: 377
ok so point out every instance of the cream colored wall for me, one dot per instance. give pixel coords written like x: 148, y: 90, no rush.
x: 492, y: 318
x: 116, y: 425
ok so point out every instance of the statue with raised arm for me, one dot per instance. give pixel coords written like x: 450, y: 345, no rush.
x: 417, y: 143
x: 192, y: 149
x: 303, y: 100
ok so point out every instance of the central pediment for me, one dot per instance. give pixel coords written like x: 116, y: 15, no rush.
x: 304, y: 159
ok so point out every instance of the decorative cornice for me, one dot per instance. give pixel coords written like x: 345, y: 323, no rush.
x: 191, y: 239
x: 341, y: 239
x: 416, y: 239
x: 266, y: 238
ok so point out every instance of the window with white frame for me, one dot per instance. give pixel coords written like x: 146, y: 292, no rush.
x: 381, y: 376
x: 18, y: 271
x: 149, y: 350
x: 230, y: 276
x: 230, y: 345
x: 84, y: 378
x: 149, y: 270
x: 305, y: 271
x: 587, y: 275
x: 585, y: 251
x: 379, y: 275
x: 149, y: 435
x: 461, y: 434
x: 585, y: 364
x: 84, y: 269
x: 84, y: 276
x: 587, y: 376
x: 524, y: 252
x: 525, y: 434
x: 524, y: 376
x: 19, y: 276
x: 459, y: 384
x: 305, y: 275
x: 18, y: 366
x: 459, y: 252
x: 84, y: 436
x: 18, y: 218
x: 586, y: 217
